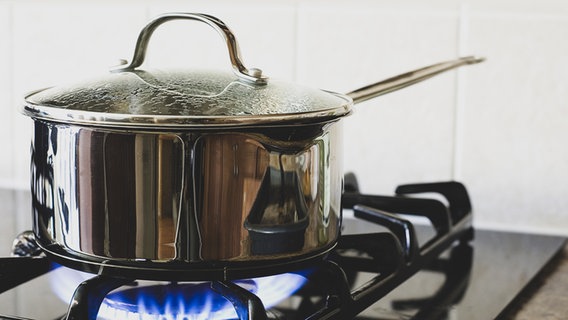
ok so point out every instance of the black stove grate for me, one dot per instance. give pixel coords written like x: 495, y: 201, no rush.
x: 342, y: 302
x: 392, y: 256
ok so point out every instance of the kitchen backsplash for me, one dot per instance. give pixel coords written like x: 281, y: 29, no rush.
x: 500, y: 127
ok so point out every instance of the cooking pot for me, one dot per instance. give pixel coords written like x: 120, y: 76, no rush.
x: 191, y: 174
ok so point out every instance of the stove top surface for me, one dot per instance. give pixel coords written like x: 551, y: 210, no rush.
x: 503, y: 264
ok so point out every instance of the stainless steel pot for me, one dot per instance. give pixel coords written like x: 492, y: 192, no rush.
x: 201, y: 174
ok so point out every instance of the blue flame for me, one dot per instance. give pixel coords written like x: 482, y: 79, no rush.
x: 170, y: 300
x: 173, y: 301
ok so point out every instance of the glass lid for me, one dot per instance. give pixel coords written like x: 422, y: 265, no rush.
x: 131, y: 97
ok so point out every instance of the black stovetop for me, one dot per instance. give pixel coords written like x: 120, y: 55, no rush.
x: 503, y: 263
x: 474, y: 279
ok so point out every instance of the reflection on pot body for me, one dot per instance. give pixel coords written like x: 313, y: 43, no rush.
x: 122, y: 194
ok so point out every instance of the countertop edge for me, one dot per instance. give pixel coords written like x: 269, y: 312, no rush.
x: 546, y: 296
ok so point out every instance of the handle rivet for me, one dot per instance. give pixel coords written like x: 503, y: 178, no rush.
x: 255, y: 72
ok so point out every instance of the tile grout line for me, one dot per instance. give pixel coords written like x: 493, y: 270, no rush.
x: 460, y: 103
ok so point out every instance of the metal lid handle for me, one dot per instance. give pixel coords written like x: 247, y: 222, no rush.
x: 252, y: 75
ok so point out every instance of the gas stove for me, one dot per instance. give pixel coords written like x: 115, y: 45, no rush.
x: 413, y: 255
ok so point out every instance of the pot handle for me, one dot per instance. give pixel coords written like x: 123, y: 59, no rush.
x: 409, y: 78
x: 252, y: 75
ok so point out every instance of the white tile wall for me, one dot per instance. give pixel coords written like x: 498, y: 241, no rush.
x: 515, y: 153
x: 406, y: 136
x: 499, y: 127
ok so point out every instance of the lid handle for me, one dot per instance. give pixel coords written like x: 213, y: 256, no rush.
x: 252, y: 75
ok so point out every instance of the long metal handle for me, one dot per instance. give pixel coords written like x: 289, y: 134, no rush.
x: 252, y: 75
x: 409, y: 78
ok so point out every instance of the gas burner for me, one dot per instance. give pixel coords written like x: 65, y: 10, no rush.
x: 150, y: 300
x: 391, y: 257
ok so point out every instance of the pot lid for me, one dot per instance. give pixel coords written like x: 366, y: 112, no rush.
x: 174, y: 98
x: 155, y: 98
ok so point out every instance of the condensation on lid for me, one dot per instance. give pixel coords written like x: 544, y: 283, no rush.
x: 182, y: 98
